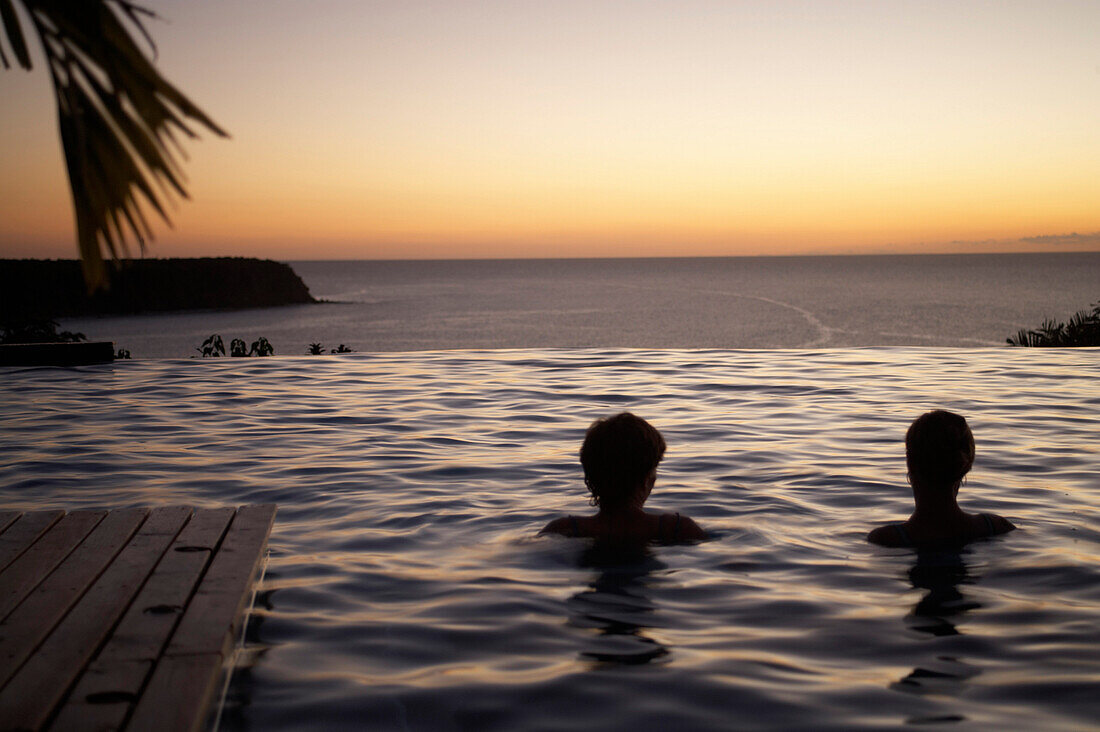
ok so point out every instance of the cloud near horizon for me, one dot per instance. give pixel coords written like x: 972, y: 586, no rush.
x: 1061, y: 239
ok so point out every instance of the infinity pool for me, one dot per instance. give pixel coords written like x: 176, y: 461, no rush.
x: 407, y: 589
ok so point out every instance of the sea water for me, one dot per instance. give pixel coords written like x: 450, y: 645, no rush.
x: 732, y: 302
x: 407, y: 589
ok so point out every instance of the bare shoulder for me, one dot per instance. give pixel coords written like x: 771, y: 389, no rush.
x: 1001, y: 525
x: 558, y: 526
x: 691, y: 531
x: 887, y: 535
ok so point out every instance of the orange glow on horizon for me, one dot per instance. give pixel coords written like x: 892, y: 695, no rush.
x: 586, y: 130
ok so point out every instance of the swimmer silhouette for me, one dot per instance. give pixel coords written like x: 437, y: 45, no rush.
x: 939, y: 451
x: 619, y: 457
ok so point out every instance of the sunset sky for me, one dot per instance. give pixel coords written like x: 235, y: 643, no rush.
x: 446, y: 129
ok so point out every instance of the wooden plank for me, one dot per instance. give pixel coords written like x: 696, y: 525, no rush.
x: 212, y: 619
x: 7, y: 518
x: 98, y: 702
x: 18, y: 538
x: 43, y: 681
x: 33, y: 565
x: 31, y: 622
x: 108, y: 688
x: 179, y: 694
x: 145, y: 628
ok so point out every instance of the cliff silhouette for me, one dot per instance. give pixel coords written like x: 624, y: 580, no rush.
x: 55, y: 288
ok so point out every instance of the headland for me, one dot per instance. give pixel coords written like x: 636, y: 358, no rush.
x: 55, y: 288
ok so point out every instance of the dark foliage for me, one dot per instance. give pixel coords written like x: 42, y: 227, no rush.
x: 214, y: 346
x: 261, y: 347
x: 1083, y: 329
x: 37, y: 331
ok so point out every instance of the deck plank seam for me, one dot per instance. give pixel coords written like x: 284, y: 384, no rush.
x: 74, y: 601
x: 57, y: 516
x: 215, y: 597
x: 64, y: 698
x: 57, y: 562
x: 224, y: 672
x: 161, y: 653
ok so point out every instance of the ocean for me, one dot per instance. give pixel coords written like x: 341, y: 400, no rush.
x: 749, y: 302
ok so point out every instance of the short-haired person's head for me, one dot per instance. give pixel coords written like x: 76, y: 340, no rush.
x: 618, y: 455
x: 939, y: 448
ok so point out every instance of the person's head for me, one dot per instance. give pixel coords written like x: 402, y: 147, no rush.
x: 619, y: 456
x: 939, y: 449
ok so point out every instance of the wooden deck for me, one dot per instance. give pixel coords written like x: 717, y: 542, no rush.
x: 124, y: 619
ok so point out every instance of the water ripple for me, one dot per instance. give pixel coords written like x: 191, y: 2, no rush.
x: 406, y: 588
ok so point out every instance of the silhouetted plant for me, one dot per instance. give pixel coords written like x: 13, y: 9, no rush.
x: 212, y: 347
x: 261, y: 347
x: 37, y: 331
x: 117, y: 115
x: 1082, y: 329
x: 315, y: 349
x: 342, y: 349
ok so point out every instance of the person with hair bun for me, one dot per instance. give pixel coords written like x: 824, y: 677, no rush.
x: 939, y: 452
x: 620, y: 456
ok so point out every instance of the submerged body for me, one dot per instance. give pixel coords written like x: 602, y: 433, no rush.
x: 640, y: 526
x: 966, y: 527
x: 939, y: 452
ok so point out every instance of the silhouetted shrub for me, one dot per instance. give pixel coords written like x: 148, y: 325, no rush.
x: 1083, y: 329
x: 213, y: 347
x: 39, y: 330
x: 261, y: 347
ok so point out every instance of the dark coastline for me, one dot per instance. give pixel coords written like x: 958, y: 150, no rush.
x: 55, y: 288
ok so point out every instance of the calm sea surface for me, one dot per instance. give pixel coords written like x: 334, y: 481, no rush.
x: 407, y: 590
x: 754, y: 302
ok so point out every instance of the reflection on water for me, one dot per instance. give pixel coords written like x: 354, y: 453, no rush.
x: 616, y: 604
x: 407, y: 590
x: 940, y: 572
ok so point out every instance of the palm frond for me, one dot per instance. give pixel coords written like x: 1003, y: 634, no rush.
x: 117, y: 117
x: 1082, y: 329
x: 14, y: 34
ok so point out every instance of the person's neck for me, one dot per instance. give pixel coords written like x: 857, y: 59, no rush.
x: 936, y: 502
x: 619, y: 513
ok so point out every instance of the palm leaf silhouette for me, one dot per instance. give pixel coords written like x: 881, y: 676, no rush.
x: 118, y: 118
x: 1082, y: 329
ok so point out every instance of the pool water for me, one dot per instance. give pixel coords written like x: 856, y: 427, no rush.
x: 407, y: 588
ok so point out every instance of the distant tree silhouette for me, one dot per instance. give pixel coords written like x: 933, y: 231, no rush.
x: 1083, y: 329
x: 37, y: 331
x: 116, y: 114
